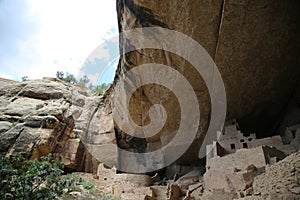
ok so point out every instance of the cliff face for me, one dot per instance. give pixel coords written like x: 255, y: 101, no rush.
x: 45, y: 116
x: 254, y: 44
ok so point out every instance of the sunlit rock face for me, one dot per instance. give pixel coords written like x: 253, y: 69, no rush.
x: 45, y: 116
x: 254, y: 44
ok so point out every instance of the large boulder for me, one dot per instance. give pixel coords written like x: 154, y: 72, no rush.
x: 254, y: 44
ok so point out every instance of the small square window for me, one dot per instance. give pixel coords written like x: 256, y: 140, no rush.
x: 232, y: 146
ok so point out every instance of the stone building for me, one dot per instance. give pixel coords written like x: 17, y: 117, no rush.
x: 235, y: 172
x: 231, y: 139
x: 235, y: 159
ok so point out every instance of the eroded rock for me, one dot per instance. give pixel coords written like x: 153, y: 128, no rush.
x: 39, y: 117
x: 281, y: 180
x: 126, y: 186
x: 253, y: 44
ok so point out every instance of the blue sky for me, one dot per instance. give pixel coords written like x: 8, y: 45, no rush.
x: 38, y: 38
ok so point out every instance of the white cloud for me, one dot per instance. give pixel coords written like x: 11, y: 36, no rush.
x: 2, y: 75
x: 68, y: 31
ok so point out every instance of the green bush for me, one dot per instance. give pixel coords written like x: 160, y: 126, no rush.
x: 108, y: 197
x: 84, y: 81
x: 39, y: 106
x: 100, y: 89
x: 32, y: 179
x: 86, y: 185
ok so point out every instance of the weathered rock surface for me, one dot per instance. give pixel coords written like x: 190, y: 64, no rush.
x: 126, y: 186
x: 255, y: 45
x: 234, y: 172
x: 39, y: 117
x: 280, y: 181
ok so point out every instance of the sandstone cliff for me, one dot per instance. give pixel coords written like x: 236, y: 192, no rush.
x: 254, y: 44
x: 45, y: 116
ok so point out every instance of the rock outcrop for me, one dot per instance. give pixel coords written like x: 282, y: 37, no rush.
x: 280, y: 181
x: 45, y: 116
x: 254, y: 44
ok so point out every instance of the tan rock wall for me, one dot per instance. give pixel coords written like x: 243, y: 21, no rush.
x: 39, y: 117
x: 255, y: 45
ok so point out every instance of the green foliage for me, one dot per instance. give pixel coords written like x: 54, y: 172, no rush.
x: 84, y: 81
x: 60, y: 75
x: 32, y: 179
x: 163, y: 182
x: 25, y: 78
x: 109, y: 197
x: 86, y: 185
x: 39, y: 106
x: 100, y: 89
x: 69, y: 182
x: 70, y: 79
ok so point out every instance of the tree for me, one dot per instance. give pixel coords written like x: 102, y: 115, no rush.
x: 70, y: 79
x: 32, y: 179
x: 100, y: 89
x: 25, y: 78
x: 84, y: 80
x: 92, y: 87
x: 60, y: 75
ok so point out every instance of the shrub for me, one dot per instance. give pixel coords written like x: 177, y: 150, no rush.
x: 86, y: 185
x: 108, y: 197
x: 39, y: 106
x: 100, y: 89
x: 32, y: 179
x: 24, y: 78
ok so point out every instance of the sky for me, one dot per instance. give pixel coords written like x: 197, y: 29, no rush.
x: 39, y: 38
